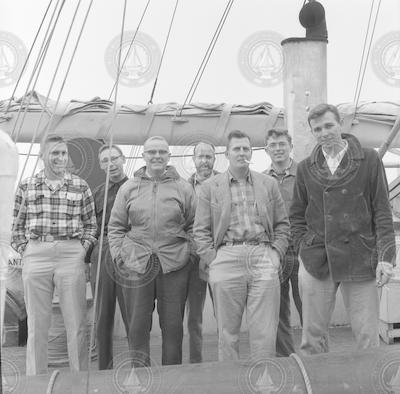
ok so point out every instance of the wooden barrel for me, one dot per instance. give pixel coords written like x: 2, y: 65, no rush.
x: 57, y: 347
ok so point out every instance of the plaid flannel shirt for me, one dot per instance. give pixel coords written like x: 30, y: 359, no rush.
x: 67, y: 210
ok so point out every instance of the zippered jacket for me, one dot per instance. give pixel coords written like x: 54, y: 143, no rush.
x: 152, y: 216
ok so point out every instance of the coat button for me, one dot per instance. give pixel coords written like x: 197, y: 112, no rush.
x: 344, y: 191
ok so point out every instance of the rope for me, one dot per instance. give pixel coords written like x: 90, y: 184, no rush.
x: 363, y: 51
x: 163, y: 52
x: 119, y: 69
x: 27, y: 58
x: 303, y: 371
x: 367, y: 56
x: 52, y: 381
x: 207, y: 56
x: 111, y: 133
x: 37, y: 69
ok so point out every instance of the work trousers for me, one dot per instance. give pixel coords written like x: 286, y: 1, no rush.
x: 47, y: 266
x: 245, y: 277
x: 109, y: 290
x: 319, y: 297
x: 170, y: 291
x: 289, y: 277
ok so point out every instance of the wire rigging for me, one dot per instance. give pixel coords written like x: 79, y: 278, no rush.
x: 163, y: 53
x: 207, y: 55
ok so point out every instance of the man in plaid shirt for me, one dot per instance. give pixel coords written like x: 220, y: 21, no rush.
x: 241, y: 230
x: 54, y: 225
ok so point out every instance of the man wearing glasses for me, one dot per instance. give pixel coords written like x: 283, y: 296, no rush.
x: 149, y: 234
x: 109, y: 287
x: 283, y: 168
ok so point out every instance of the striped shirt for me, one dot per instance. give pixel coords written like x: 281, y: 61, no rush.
x: 245, y: 223
x: 66, y: 209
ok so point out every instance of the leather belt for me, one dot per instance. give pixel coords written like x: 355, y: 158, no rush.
x: 52, y: 238
x: 253, y: 243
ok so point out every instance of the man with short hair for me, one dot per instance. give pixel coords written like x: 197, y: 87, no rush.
x: 54, y: 226
x: 342, y: 226
x: 241, y: 230
x: 278, y: 145
x: 149, y: 233
x: 204, y: 159
x: 109, y: 287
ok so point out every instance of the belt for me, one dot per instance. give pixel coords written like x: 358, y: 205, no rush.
x: 52, y: 238
x: 234, y: 243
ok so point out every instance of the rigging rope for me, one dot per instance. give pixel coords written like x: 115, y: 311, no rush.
x: 36, y: 70
x: 207, y: 55
x: 367, y: 57
x: 27, y: 58
x: 119, y: 69
x: 101, y: 239
x: 163, y: 52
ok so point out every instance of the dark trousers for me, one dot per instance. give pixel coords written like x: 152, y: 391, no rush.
x: 109, y: 291
x: 197, y: 290
x: 170, y: 291
x: 284, y: 339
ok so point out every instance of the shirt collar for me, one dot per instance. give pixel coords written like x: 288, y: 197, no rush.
x: 339, y: 155
x: 289, y: 170
x: 248, y: 177
x: 41, y: 177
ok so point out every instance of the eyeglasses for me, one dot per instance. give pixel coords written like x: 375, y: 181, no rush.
x: 153, y: 152
x: 113, y: 159
x: 274, y: 145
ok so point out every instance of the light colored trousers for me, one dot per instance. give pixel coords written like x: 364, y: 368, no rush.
x: 60, y: 265
x: 319, y: 296
x: 245, y: 277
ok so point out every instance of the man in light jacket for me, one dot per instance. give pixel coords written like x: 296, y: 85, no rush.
x: 149, y: 235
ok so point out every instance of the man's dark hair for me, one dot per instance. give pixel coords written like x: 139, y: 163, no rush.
x: 278, y: 133
x: 203, y: 142
x: 106, y: 146
x: 236, y: 134
x: 322, y: 109
x: 49, y: 139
